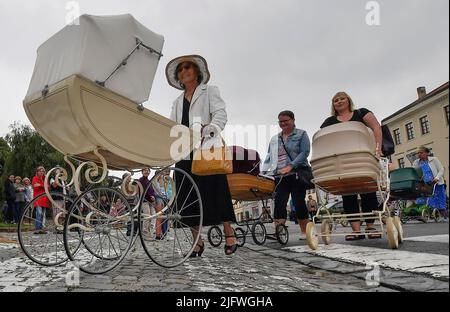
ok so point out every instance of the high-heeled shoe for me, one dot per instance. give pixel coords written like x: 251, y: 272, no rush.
x: 199, y: 252
x: 230, y: 249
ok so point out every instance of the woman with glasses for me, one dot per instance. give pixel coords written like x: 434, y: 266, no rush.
x: 203, y: 103
x: 288, y: 150
x: 42, y: 204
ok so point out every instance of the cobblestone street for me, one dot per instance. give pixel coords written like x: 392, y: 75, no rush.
x: 252, y: 269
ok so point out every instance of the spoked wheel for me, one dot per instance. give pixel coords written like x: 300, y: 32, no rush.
x: 282, y: 234
x: 45, y: 246
x: 215, y: 236
x: 259, y: 233
x: 98, y: 231
x: 240, y: 236
x: 436, y: 215
x: 178, y: 218
x: 325, y: 229
x: 311, y: 237
x: 392, y: 233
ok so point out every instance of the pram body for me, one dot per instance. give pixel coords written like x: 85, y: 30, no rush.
x: 344, y: 163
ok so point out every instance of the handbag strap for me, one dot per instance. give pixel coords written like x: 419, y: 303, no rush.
x: 223, y: 141
x: 284, y: 146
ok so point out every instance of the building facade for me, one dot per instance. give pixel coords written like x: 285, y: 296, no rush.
x: 423, y: 122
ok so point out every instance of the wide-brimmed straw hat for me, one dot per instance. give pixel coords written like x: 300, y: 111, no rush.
x: 172, y: 66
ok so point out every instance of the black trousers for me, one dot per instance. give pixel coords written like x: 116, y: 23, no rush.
x: 9, y: 215
x: 290, y: 186
x: 369, y: 202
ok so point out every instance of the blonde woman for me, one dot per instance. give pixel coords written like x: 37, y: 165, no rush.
x: 343, y: 110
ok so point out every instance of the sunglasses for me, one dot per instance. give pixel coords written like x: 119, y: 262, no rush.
x: 185, y: 67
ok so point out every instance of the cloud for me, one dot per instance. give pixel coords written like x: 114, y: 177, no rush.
x: 266, y: 56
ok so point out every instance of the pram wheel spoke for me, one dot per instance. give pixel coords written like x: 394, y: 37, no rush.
x: 177, y: 216
x: 259, y: 233
x: 99, y: 230
x: 215, y: 236
x: 47, y: 249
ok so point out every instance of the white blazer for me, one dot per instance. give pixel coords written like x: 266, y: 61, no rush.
x: 207, y: 106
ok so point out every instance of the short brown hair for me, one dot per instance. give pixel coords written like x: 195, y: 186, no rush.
x: 287, y: 113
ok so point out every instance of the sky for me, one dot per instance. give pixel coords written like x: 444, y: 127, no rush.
x: 265, y: 56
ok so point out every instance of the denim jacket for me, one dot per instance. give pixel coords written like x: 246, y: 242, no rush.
x: 298, y: 147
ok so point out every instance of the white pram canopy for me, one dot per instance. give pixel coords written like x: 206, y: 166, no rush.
x: 93, y: 49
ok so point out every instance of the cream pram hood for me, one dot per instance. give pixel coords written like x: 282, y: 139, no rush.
x: 93, y: 49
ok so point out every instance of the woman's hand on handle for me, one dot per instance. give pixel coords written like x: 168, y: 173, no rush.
x: 209, y: 131
x: 286, y: 170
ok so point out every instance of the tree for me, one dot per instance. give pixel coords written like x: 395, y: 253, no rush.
x: 28, y: 150
x: 4, y: 153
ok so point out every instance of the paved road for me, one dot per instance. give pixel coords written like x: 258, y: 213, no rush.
x: 421, y: 264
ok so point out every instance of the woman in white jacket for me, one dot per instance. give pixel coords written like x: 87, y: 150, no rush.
x: 433, y: 173
x: 202, y: 103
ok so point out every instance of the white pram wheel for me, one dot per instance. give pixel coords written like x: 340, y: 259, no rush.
x: 392, y: 233
x: 325, y: 229
x: 99, y: 229
x: 178, y: 214
x: 45, y: 246
x: 311, y: 237
x: 399, y: 227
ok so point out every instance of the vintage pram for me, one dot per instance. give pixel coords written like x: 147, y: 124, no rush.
x: 344, y: 163
x: 407, y: 184
x: 247, y: 184
x: 85, y: 99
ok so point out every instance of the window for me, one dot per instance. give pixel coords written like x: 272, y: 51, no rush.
x: 409, y: 131
x: 397, y: 137
x: 412, y: 157
x: 424, y: 125
x: 446, y: 113
x: 401, y: 162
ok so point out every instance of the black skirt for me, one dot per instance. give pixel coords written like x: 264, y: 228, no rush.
x: 214, y: 193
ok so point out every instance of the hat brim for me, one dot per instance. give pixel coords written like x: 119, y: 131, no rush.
x: 173, y: 64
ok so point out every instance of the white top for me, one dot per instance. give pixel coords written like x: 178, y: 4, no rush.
x: 435, y: 166
x: 93, y: 49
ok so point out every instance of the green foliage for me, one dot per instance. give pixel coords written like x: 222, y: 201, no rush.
x: 4, y: 153
x: 24, y: 151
